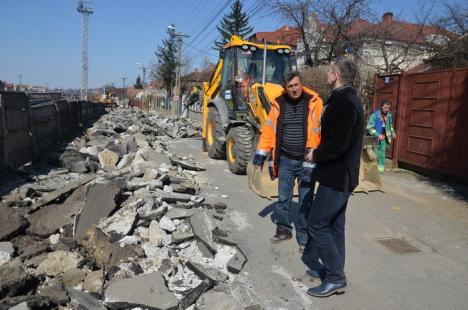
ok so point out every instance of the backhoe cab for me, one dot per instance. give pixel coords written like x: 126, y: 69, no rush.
x: 236, y: 102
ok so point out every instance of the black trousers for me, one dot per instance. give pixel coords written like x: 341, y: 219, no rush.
x: 326, y: 228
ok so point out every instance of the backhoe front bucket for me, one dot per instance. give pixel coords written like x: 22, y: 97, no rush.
x: 261, y: 184
x: 260, y: 181
x: 369, y: 177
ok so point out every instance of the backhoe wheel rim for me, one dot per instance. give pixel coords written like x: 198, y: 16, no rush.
x: 210, y: 133
x: 231, y: 151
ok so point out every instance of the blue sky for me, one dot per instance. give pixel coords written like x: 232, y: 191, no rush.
x: 41, y: 39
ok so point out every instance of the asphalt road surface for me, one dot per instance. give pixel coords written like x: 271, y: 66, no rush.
x: 431, y: 217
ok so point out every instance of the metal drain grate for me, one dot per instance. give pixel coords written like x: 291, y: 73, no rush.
x: 398, y: 245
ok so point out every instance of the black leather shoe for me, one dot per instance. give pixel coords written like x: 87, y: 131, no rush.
x: 327, y: 289
x: 281, y: 234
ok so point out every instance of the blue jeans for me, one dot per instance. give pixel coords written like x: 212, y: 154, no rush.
x: 289, y: 171
x: 326, y: 227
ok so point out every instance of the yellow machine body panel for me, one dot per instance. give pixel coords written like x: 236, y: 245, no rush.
x: 238, y: 41
x: 257, y: 96
x: 271, y: 91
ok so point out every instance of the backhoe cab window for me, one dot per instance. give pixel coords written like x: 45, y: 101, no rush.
x: 250, y: 64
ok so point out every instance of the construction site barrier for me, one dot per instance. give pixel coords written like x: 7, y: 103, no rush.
x: 29, y: 131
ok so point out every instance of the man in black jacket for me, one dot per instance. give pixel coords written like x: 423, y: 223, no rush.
x: 337, y: 159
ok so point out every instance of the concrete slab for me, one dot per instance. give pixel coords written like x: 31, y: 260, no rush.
x: 148, y: 291
x: 99, y: 203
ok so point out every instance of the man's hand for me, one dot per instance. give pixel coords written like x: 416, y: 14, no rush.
x: 381, y: 137
x: 394, y: 135
x: 258, y: 168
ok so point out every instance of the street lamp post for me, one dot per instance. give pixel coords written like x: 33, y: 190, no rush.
x: 177, y: 91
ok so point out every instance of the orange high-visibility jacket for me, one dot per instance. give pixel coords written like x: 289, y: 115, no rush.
x: 268, y: 144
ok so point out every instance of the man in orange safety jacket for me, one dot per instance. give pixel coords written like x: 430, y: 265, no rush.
x: 292, y: 129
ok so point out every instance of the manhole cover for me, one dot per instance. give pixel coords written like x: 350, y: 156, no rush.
x: 398, y: 245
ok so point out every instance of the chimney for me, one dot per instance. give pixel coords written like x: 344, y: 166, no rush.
x: 387, y: 17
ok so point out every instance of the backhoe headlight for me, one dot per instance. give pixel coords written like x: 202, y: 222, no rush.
x: 280, y: 51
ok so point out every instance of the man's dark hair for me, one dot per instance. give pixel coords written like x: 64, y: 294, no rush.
x: 384, y: 102
x: 289, y: 76
x: 347, y: 70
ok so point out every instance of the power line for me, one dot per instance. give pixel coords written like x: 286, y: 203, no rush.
x: 210, y: 22
x: 201, y: 50
x: 201, y: 24
x: 191, y: 18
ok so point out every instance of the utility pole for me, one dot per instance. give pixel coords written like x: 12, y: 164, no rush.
x: 176, y: 98
x: 143, y: 69
x: 123, y: 85
x: 85, y: 12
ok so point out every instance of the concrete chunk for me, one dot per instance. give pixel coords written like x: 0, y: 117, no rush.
x: 11, y: 223
x: 205, y: 272
x: 55, y: 294
x: 102, y: 251
x: 236, y: 263
x: 99, y: 203
x: 178, y: 213
x: 108, y: 158
x: 14, y: 280
x: 166, y: 224
x: 6, y: 252
x: 217, y: 300
x: 148, y: 291
x: 94, y: 281
x: 46, y: 199
x: 21, y: 306
x: 202, y: 227
x: 186, y: 165
x: 50, y: 219
x: 156, y: 234
x: 120, y: 224
x: 194, y: 293
x: 58, y: 262
x: 84, y: 301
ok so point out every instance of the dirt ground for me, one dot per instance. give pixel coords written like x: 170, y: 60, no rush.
x: 429, y: 216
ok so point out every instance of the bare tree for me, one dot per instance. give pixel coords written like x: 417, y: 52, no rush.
x: 339, y: 16
x: 391, y: 45
x: 452, y: 50
x: 454, y: 17
x: 296, y: 12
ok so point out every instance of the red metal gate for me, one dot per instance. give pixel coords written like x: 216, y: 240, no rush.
x: 431, y: 120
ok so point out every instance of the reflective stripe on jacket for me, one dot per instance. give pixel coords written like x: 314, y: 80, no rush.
x: 268, y: 143
x: 375, y: 125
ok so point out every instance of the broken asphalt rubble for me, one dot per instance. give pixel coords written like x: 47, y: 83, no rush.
x: 120, y: 224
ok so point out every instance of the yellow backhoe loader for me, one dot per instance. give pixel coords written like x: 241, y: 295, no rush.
x: 236, y: 103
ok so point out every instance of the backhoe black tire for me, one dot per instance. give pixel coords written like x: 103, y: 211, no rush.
x: 239, y: 148
x: 216, y: 148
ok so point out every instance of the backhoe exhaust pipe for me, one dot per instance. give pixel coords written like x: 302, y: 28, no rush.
x: 264, y: 61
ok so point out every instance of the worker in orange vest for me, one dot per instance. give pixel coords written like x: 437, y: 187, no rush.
x: 290, y: 132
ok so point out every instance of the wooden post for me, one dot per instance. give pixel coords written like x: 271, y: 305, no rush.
x: 401, y: 115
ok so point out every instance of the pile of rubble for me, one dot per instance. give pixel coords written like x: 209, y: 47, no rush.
x: 121, y: 224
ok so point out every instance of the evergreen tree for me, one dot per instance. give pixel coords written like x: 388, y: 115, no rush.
x: 236, y: 22
x: 165, y: 69
x: 138, y: 84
